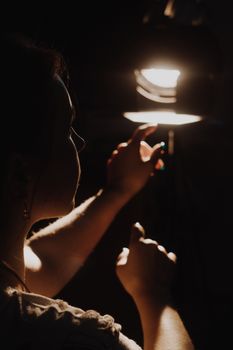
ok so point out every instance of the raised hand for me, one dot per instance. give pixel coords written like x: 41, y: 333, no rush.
x: 133, y: 162
x: 145, y: 269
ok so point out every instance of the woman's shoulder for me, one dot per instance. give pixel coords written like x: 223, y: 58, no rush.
x: 58, y: 322
x: 31, y: 307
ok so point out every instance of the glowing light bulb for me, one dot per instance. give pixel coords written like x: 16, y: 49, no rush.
x: 166, y: 78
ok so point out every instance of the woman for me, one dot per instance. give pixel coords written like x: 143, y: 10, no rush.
x: 39, y: 181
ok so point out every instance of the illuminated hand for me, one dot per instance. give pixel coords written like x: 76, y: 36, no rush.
x: 145, y: 269
x: 133, y: 162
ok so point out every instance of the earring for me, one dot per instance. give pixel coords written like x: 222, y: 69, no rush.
x: 26, y: 214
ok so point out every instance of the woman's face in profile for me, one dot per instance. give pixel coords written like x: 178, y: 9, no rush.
x: 58, y: 182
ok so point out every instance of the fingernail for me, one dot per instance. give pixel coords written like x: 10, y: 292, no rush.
x: 139, y: 227
x: 163, y: 145
x: 125, y: 250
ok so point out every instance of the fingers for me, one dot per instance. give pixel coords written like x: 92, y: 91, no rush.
x: 142, y: 132
x: 137, y: 232
x: 147, y: 153
x: 172, y: 257
x: 119, y: 149
x: 122, y: 145
x: 159, y: 165
x: 122, y: 257
x: 114, y: 153
x: 162, y: 249
x: 158, y: 149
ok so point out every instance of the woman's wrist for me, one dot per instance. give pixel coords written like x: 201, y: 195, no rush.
x: 160, y: 297
x: 118, y: 194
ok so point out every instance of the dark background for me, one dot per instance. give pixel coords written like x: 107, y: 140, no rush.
x: 188, y: 207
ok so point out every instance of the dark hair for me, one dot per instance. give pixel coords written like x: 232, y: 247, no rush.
x: 26, y: 74
x: 27, y: 71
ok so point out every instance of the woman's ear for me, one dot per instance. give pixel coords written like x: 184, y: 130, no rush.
x: 18, y: 179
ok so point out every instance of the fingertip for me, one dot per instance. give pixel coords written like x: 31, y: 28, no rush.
x: 122, y: 257
x: 158, y: 150
x: 137, y: 232
x: 148, y: 125
x: 139, y: 227
x: 163, y: 145
x: 143, y: 131
x: 125, y: 250
x: 172, y: 256
x: 161, y: 248
x: 151, y: 125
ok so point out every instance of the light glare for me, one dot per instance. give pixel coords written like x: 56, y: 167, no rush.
x: 155, y: 97
x: 162, y: 117
x: 166, y: 78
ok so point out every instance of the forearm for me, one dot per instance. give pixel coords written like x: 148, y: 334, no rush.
x: 162, y: 327
x: 63, y: 246
x: 78, y: 233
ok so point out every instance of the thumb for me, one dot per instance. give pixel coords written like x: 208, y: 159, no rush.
x: 122, y: 257
x: 141, y: 133
x: 137, y: 232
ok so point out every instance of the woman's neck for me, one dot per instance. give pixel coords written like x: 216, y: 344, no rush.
x: 12, y: 248
x: 13, y: 260
x: 10, y: 279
